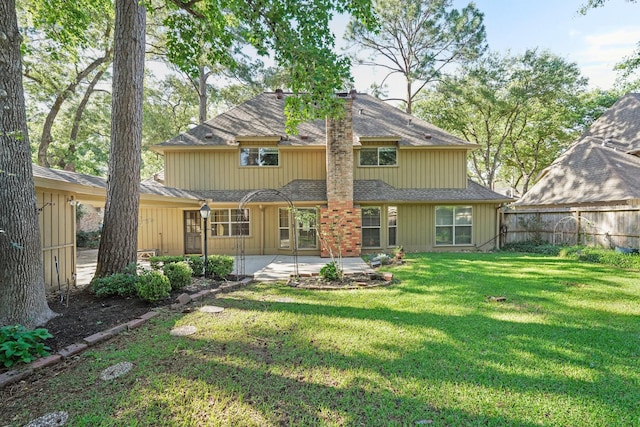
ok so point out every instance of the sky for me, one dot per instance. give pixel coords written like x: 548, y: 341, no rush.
x: 595, y: 41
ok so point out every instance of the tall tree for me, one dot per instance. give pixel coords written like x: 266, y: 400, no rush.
x: 521, y: 110
x: 22, y: 294
x: 59, y: 60
x: 118, y: 245
x: 418, y: 39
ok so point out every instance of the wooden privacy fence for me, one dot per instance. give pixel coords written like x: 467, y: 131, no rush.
x: 598, y: 226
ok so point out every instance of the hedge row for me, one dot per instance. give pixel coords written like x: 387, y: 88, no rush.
x: 218, y: 266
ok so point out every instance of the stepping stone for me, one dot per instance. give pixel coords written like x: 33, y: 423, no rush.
x: 183, y: 331
x: 211, y: 309
x: 285, y: 299
x: 116, y: 371
x: 53, y: 419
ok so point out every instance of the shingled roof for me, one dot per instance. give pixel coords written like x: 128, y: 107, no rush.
x: 100, y: 183
x: 263, y: 116
x: 600, y: 168
x: 588, y: 173
x: 301, y: 190
x: 619, y: 126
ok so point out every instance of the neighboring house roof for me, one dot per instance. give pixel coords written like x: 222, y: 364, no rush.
x: 600, y: 168
x: 588, y: 173
x: 619, y: 126
x: 95, y: 185
x: 263, y: 116
x: 301, y: 190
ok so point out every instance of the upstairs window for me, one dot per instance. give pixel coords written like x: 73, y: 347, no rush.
x: 259, y: 156
x: 379, y: 156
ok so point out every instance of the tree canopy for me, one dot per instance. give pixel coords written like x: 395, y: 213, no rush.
x: 418, y: 39
x: 521, y: 110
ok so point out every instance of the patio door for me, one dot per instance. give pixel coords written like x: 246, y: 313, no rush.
x: 192, y: 232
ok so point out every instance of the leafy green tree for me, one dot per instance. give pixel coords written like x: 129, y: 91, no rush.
x: 22, y: 295
x: 418, y: 39
x: 57, y: 63
x: 521, y: 111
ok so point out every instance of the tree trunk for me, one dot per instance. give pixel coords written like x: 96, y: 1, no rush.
x: 46, y: 138
x: 202, y: 94
x: 22, y: 294
x: 70, y: 162
x: 118, y: 245
x: 409, y: 97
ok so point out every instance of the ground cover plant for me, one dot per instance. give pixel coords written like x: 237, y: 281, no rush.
x: 463, y: 339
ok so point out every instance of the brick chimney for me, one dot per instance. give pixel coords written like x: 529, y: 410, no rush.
x: 340, y: 221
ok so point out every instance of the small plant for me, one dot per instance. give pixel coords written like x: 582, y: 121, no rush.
x: 384, y: 259
x: 157, y: 262
x: 17, y: 344
x: 178, y: 273
x: 153, y: 286
x: 399, y: 252
x: 331, y: 271
x: 120, y: 284
x: 197, y: 264
x: 219, y: 266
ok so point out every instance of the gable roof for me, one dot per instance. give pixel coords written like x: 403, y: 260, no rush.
x: 263, y: 116
x: 588, y: 173
x: 619, y: 126
x: 302, y: 190
x: 600, y: 168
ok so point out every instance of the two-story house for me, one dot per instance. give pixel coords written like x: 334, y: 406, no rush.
x: 373, y: 180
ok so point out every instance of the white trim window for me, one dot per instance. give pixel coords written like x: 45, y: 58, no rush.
x: 284, y: 234
x: 379, y: 156
x: 371, y: 221
x: 306, y: 227
x: 229, y: 222
x: 454, y: 225
x: 259, y: 156
x: 392, y: 226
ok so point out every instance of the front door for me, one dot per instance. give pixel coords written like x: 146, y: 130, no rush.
x: 192, y: 232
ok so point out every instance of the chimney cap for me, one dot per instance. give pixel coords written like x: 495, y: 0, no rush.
x: 279, y: 93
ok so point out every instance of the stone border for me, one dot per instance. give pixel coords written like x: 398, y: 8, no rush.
x: 16, y: 375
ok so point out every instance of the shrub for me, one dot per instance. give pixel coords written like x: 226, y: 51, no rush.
x: 178, y: 273
x: 533, y: 247
x: 88, y: 239
x: 331, y: 271
x: 602, y: 256
x: 219, y: 266
x: 197, y: 264
x: 153, y: 286
x: 157, y: 262
x: 17, y: 344
x: 121, y: 284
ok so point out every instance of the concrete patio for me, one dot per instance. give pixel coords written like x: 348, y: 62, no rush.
x: 263, y: 268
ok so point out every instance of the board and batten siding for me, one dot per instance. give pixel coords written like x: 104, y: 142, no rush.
x: 221, y: 170
x: 56, y: 218
x: 419, y: 169
x: 161, y: 229
x: 417, y: 224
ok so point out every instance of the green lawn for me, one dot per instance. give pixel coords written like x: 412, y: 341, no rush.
x: 435, y: 349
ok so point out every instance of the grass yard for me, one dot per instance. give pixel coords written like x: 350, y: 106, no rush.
x: 563, y: 349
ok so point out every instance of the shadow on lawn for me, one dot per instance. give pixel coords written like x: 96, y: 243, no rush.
x: 504, y: 344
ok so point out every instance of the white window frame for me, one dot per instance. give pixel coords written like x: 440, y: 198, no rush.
x: 390, y: 226
x: 261, y: 151
x: 282, y: 228
x: 378, y: 227
x: 307, y: 228
x: 455, y: 225
x: 377, y: 164
x: 228, y: 224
